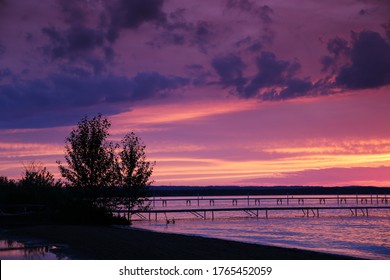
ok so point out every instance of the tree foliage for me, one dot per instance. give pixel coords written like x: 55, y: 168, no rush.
x: 135, y: 170
x: 90, y: 157
x: 5, y: 182
x: 93, y: 163
x: 36, y: 175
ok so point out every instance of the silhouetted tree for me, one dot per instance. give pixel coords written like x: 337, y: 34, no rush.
x: 4, y: 181
x: 135, y: 171
x: 90, y: 157
x: 36, y: 175
x: 93, y: 163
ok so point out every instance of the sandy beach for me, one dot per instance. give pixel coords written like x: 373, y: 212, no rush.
x: 113, y: 243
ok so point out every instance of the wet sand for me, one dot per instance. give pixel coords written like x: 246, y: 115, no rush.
x: 113, y: 243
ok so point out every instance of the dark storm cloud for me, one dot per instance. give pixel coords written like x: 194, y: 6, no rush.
x: 73, y: 42
x: 327, y: 62
x: 362, y: 63
x: 78, y: 45
x: 115, y: 16
x: 76, y: 91
x: 263, y: 12
x: 338, y: 47
x: 368, y: 65
x: 274, y: 80
x: 295, y: 88
x: 230, y: 70
x: 148, y: 84
x: 177, y: 30
x: 271, y: 73
x: 131, y: 14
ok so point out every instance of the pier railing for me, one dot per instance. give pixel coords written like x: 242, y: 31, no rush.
x: 259, y: 206
x: 278, y: 200
x: 205, y: 213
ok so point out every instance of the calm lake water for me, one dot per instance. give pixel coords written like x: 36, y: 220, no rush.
x: 14, y: 250
x: 335, y: 231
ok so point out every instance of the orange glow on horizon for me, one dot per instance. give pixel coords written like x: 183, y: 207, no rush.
x: 211, y: 169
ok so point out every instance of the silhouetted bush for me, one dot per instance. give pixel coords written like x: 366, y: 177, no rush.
x: 84, y: 212
x: 36, y: 175
x: 53, y: 205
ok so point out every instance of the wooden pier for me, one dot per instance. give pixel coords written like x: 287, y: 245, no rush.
x: 372, y: 199
x: 204, y: 213
x: 259, y: 206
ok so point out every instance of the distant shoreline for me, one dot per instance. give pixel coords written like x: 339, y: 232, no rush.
x: 113, y: 243
x: 261, y: 190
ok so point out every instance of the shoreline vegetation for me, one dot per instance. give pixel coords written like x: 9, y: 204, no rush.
x: 99, y: 176
x: 116, y: 243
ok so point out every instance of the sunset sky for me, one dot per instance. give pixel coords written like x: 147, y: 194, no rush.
x: 222, y: 92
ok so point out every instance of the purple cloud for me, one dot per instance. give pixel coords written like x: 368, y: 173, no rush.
x: 230, y: 70
x: 73, y: 43
x: 263, y: 12
x: 131, y: 14
x: 364, y: 62
x: 275, y: 79
x: 73, y: 93
x: 370, y: 62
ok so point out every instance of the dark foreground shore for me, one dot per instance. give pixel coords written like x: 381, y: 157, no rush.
x: 108, y: 243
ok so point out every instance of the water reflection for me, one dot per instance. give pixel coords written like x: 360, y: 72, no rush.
x: 362, y: 237
x: 14, y: 250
